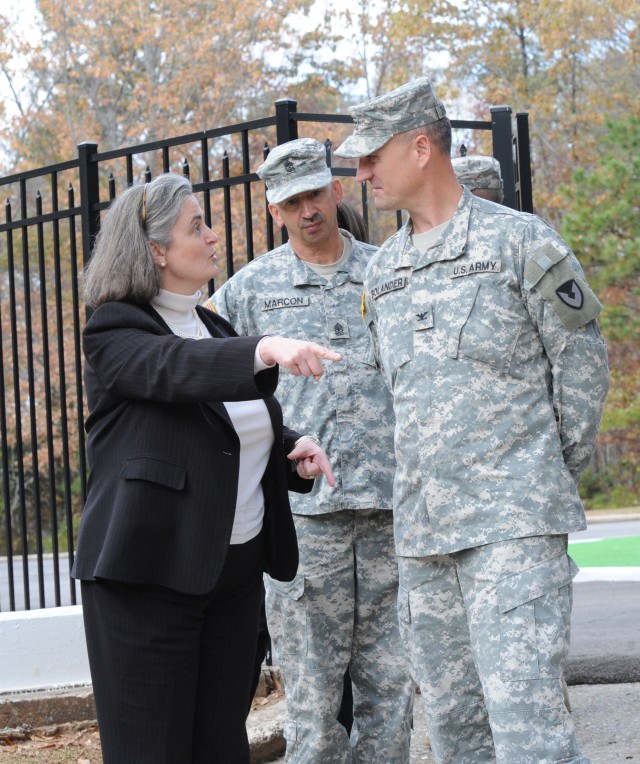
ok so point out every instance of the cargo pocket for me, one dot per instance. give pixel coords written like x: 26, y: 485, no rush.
x: 535, y: 612
x: 287, y: 615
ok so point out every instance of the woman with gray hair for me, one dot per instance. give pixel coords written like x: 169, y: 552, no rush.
x: 187, y: 502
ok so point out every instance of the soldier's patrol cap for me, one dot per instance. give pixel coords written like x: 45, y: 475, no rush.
x: 376, y: 121
x: 293, y: 168
x: 476, y: 171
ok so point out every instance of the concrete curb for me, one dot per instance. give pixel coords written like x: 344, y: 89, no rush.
x: 42, y: 708
x: 265, y: 728
x: 595, y: 516
x: 29, y: 711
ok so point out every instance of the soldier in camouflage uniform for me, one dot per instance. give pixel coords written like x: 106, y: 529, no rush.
x: 340, y: 611
x: 486, y: 332
x: 481, y: 175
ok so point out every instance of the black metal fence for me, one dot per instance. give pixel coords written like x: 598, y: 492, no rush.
x: 51, y: 217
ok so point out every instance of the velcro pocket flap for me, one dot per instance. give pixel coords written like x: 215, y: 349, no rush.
x: 291, y: 589
x: 542, y: 261
x: 155, y: 471
x: 541, y: 579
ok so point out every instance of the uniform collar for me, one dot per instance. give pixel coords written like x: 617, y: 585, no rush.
x: 301, y: 275
x: 454, y: 235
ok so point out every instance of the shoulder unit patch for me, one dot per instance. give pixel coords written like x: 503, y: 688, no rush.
x: 550, y: 273
x: 571, y: 294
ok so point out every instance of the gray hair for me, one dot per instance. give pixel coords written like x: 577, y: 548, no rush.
x: 122, y: 266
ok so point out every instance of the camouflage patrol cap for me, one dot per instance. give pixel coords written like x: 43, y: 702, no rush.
x: 478, y: 172
x: 376, y: 121
x: 293, y: 168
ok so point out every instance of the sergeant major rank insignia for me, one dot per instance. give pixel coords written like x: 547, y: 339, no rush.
x: 338, y: 328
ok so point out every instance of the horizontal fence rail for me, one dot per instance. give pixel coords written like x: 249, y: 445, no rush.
x: 51, y: 218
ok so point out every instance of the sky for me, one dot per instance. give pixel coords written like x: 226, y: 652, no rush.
x: 24, y: 12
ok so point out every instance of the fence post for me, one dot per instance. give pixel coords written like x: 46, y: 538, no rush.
x: 523, y: 160
x: 502, y: 136
x: 286, y: 130
x: 89, y: 197
x: 286, y: 127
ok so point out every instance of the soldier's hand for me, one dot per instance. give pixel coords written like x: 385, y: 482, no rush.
x: 297, y: 356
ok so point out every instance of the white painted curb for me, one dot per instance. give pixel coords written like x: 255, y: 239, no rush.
x: 43, y: 649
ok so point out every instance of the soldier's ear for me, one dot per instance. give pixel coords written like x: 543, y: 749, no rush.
x: 275, y: 214
x: 422, y: 147
x: 337, y: 190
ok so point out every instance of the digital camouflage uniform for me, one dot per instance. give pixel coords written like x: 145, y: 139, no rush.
x: 341, y: 608
x: 499, y: 373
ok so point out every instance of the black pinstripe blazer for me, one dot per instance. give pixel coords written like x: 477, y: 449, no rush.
x: 164, y: 456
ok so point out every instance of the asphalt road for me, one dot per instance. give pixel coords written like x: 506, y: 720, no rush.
x: 606, y: 719
x: 605, y: 629
x: 605, y: 633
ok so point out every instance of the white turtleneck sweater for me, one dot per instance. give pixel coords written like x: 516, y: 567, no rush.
x: 250, y: 419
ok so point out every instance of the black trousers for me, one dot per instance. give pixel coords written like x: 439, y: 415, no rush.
x: 172, y: 673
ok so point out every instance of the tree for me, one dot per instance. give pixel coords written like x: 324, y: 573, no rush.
x: 570, y: 65
x: 602, y: 224
x: 129, y: 71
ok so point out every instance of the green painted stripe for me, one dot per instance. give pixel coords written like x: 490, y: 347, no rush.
x: 607, y: 553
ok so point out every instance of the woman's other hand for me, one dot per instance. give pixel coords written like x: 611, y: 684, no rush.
x: 312, y: 462
x: 297, y: 356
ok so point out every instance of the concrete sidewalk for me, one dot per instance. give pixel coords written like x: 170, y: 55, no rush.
x: 606, y: 716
